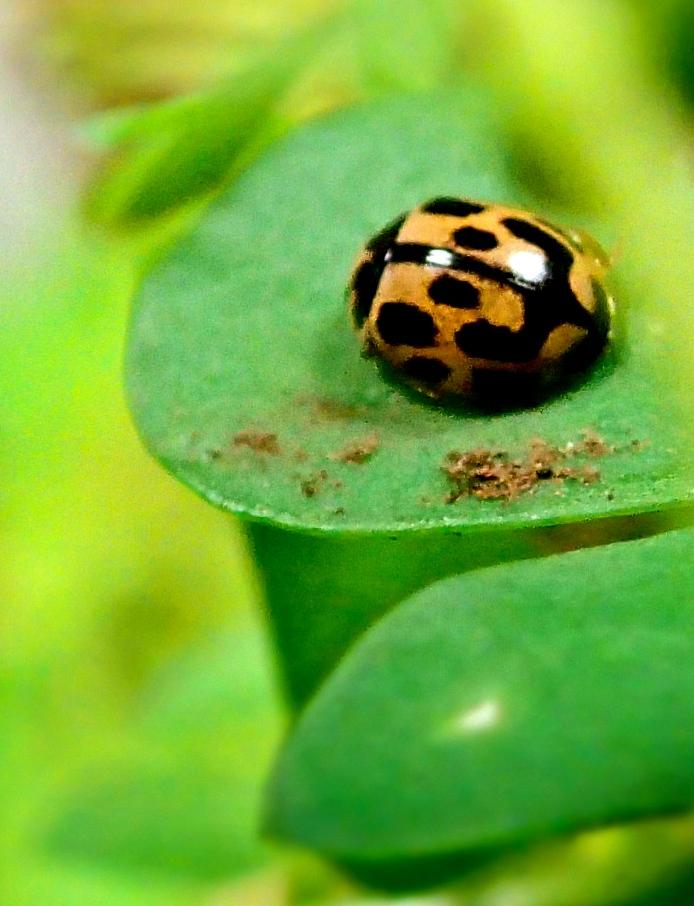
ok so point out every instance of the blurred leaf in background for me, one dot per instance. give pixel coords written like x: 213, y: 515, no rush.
x: 604, y: 126
x: 185, y: 801
x: 174, y: 153
x: 114, y: 53
x: 111, y: 574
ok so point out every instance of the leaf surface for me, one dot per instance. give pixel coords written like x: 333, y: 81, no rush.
x: 242, y: 332
x: 501, y: 707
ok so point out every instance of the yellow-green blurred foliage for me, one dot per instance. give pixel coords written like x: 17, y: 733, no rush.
x: 138, y: 705
x: 113, y: 53
x: 132, y: 660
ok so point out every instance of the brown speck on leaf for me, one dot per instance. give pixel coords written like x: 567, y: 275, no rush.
x: 258, y: 441
x: 358, y: 451
x: 330, y: 410
x: 215, y: 453
x: 587, y: 475
x: 543, y: 457
x: 314, y: 483
x: 584, y: 474
x: 592, y: 444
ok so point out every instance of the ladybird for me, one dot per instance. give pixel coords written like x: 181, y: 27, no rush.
x: 465, y: 298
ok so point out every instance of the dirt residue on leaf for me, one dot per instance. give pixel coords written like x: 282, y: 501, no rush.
x: 317, y: 482
x: 359, y: 451
x: 314, y: 483
x: 494, y: 475
x: 258, y: 441
x: 331, y: 410
x: 590, y: 444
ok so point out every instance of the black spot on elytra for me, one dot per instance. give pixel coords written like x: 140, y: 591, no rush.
x: 381, y: 242
x: 364, y: 285
x: 452, y: 207
x: 482, y: 340
x: 367, y: 276
x: 545, y: 307
x: 402, y: 324
x: 428, y: 371
x: 446, y: 290
x: 601, y: 313
x: 588, y: 348
x: 471, y: 238
x: 556, y: 251
x: 573, y: 241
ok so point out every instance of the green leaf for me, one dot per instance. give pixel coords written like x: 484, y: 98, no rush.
x: 176, y: 152
x: 243, y: 328
x: 318, y: 611
x: 681, y: 37
x: 640, y: 864
x: 178, y: 817
x: 324, y: 591
x: 186, y: 802
x: 427, y: 28
x: 219, y: 691
x: 47, y: 881
x: 502, y: 707
x: 169, y: 154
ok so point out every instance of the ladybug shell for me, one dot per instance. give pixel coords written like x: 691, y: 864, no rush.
x: 466, y: 298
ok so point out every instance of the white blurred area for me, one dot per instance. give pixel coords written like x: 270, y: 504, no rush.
x: 39, y: 161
